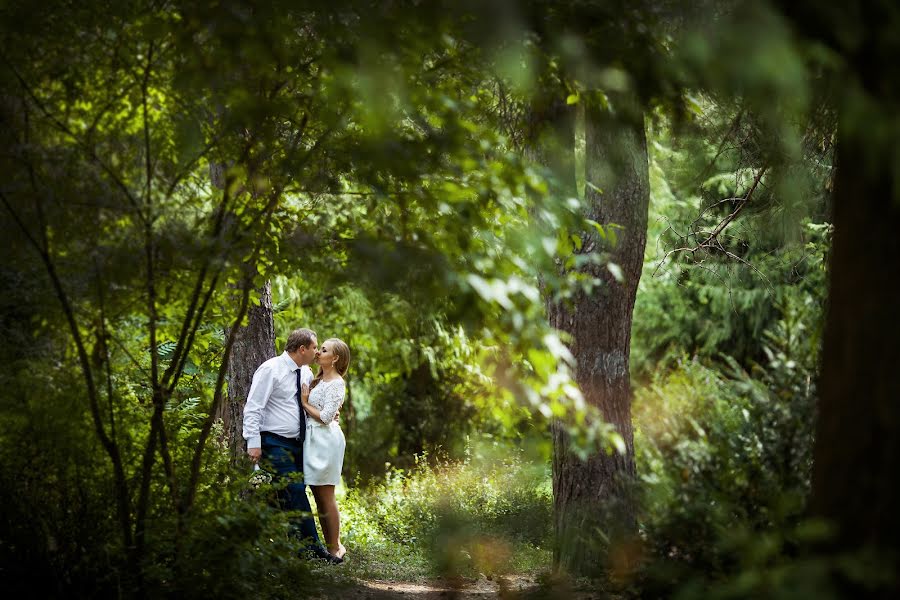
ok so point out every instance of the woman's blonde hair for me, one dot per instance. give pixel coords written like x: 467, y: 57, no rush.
x: 341, y: 361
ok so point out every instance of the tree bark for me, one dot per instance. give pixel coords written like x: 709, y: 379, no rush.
x: 592, y: 498
x: 856, y: 456
x: 253, y: 345
x: 857, y: 448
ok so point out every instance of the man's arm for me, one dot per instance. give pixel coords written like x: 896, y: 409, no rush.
x: 260, y: 389
x: 306, y: 376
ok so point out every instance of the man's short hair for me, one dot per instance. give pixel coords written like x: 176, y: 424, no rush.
x: 299, y: 337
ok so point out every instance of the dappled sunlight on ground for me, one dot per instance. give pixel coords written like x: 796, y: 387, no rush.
x: 507, y: 587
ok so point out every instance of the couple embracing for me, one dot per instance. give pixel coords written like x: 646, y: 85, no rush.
x: 291, y: 428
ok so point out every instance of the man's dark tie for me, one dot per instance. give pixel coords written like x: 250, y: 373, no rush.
x: 300, y: 404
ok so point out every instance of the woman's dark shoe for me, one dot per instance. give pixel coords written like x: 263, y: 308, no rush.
x: 320, y: 553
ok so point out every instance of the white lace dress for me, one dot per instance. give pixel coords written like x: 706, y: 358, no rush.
x: 323, y: 448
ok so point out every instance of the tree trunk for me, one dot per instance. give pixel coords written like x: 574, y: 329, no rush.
x: 857, y: 448
x: 253, y: 345
x: 592, y: 498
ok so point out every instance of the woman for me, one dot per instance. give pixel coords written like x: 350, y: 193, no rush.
x: 323, y: 449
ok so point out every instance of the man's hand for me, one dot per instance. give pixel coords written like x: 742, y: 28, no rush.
x: 337, y: 416
x: 255, y: 454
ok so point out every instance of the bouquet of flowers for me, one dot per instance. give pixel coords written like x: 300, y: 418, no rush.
x: 260, y: 477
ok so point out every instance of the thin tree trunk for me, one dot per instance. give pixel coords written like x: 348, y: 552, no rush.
x: 253, y: 345
x: 857, y: 448
x: 592, y: 498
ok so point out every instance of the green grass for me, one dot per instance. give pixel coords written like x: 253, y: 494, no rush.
x: 487, y: 517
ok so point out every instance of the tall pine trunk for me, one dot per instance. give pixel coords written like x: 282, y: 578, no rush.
x: 592, y: 498
x: 857, y: 448
x: 253, y: 345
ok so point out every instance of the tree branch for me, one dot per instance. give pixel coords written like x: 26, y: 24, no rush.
x: 86, y: 147
x: 711, y: 242
x: 108, y: 444
x: 247, y: 286
x: 721, y: 226
x: 193, y: 317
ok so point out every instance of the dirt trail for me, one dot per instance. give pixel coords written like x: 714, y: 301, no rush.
x: 466, y: 589
x: 509, y: 587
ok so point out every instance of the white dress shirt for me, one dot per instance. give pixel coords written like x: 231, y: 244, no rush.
x: 272, y: 404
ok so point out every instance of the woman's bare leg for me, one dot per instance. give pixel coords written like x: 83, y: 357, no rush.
x: 329, y: 518
x: 320, y: 509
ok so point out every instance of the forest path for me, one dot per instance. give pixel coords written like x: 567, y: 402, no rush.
x: 468, y: 589
x: 507, y: 587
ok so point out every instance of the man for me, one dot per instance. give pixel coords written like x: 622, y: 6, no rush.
x: 275, y: 426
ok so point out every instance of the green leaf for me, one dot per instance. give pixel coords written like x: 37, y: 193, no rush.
x: 600, y: 231
x: 166, y: 350
x: 593, y: 187
x: 616, y: 271
x: 693, y: 105
x: 491, y: 291
x: 576, y: 239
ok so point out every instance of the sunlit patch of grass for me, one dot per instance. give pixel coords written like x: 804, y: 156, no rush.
x: 488, y: 517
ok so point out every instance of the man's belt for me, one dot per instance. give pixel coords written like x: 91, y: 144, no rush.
x: 286, y: 440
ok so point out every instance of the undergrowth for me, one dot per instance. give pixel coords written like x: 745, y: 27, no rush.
x: 467, y: 518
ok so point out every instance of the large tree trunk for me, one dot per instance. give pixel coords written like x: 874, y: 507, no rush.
x: 857, y: 449
x: 594, y: 496
x: 253, y: 345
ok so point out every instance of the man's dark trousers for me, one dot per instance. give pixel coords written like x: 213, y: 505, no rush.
x: 284, y: 456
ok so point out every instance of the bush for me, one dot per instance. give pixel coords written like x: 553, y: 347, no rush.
x: 726, y: 454
x: 724, y: 307
x: 59, y: 532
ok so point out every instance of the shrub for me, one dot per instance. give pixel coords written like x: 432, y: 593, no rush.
x: 725, y: 454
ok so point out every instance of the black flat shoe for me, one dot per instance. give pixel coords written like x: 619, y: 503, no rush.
x: 320, y: 553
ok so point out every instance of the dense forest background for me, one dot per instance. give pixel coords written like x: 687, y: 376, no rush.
x: 619, y: 281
